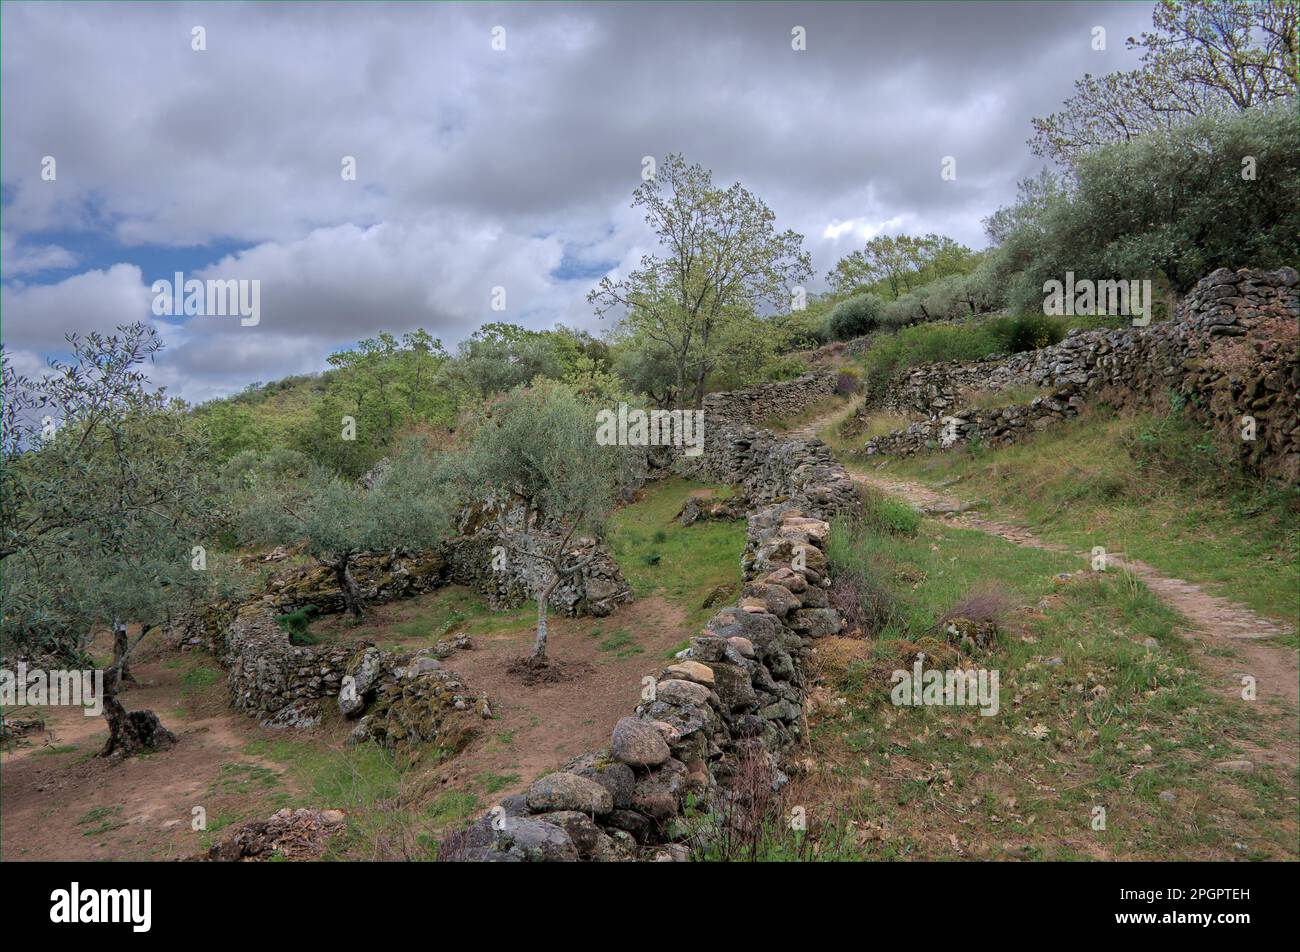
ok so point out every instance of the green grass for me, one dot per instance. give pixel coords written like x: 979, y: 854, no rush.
x: 1089, y: 716
x: 495, y: 783
x: 100, y: 820
x: 1087, y: 483
x: 683, y: 564
x: 620, y: 644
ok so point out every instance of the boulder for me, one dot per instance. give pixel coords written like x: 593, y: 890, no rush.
x: 567, y: 791
x: 638, y: 743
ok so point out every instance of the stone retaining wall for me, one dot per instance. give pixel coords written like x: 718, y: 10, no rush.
x: 735, y: 697
x: 766, y: 401
x: 1230, y: 351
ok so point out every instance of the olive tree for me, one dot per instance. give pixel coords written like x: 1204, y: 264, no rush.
x: 105, y: 506
x: 283, y: 497
x: 536, y: 449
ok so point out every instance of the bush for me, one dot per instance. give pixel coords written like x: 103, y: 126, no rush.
x: 867, y: 606
x: 847, y: 383
x: 298, y: 624
x: 923, y: 344
x: 855, y: 317
x: 1026, y: 332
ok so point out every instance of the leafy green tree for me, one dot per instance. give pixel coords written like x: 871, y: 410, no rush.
x: 105, y: 511
x: 283, y: 497
x: 384, y: 386
x: 855, y: 316
x: 722, y: 259
x: 894, y: 265
x: 1169, y: 206
x: 1201, y: 57
x: 536, y: 447
x: 499, y: 356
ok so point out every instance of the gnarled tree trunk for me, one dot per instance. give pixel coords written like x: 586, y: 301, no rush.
x: 130, y: 732
x: 351, y: 591
x: 121, y: 646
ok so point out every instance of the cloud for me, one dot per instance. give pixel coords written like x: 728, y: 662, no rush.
x: 37, y: 316
x: 479, y: 168
x: 32, y: 259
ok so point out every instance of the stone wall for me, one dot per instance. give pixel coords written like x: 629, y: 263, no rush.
x: 595, y: 589
x: 1229, y: 351
x: 758, y: 404
x: 997, y: 426
x: 734, y: 698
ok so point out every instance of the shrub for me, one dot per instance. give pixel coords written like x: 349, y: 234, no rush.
x: 298, y: 624
x: 984, y: 605
x: 855, y: 317
x: 847, y: 383
x: 923, y: 344
x: 1026, y: 332
x: 867, y: 606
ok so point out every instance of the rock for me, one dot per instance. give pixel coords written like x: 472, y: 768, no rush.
x: 816, y: 622
x: 638, y: 743
x: 733, y: 686
x: 587, y: 838
x: 675, y: 691
x: 744, y: 647
x: 690, y: 671
x: 566, y: 791
x: 535, y: 840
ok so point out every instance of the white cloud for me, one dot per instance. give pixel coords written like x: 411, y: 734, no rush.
x: 37, y: 316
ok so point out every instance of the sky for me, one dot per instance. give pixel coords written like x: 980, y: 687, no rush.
x: 476, y: 167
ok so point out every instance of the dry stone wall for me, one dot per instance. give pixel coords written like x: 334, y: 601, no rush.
x: 766, y: 401
x: 1230, y: 352
x: 595, y: 589
x: 733, y: 700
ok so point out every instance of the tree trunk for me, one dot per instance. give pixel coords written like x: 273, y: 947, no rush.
x: 120, y: 647
x: 538, y: 658
x: 351, y: 593
x: 130, y: 732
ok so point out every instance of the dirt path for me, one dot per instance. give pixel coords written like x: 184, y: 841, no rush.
x: 63, y: 803
x: 1213, y: 623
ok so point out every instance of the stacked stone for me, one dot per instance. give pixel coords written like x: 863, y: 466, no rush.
x: 398, y: 697
x: 739, y: 688
x: 998, y: 426
x: 784, y: 398
x: 596, y: 589
x: 1191, y: 355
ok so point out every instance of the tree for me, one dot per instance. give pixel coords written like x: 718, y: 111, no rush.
x: 104, y: 502
x: 284, y: 497
x: 1201, y: 57
x: 535, y: 450
x: 499, y: 356
x: 894, y: 265
x: 1167, y: 206
x: 855, y: 316
x: 722, y: 257
x: 383, y: 385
